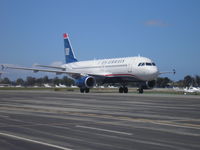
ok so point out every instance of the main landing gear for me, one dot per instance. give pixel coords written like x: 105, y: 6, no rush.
x: 123, y: 90
x: 86, y: 90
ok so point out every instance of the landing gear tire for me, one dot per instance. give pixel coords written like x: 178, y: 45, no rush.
x: 140, y: 90
x: 82, y: 90
x: 86, y: 90
x: 123, y: 90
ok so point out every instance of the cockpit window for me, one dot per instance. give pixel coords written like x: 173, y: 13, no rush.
x: 146, y: 64
x: 142, y: 64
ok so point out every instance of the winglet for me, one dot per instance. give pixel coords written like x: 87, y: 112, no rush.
x: 174, y: 71
x: 3, y: 67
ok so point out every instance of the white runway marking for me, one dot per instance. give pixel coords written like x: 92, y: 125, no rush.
x: 34, y: 141
x: 99, y: 129
x: 4, y: 116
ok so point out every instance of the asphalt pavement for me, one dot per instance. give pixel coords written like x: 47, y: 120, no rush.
x: 49, y: 120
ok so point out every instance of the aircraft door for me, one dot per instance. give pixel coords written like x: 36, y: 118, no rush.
x: 129, y: 67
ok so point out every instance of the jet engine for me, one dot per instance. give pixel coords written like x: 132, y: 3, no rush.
x: 86, y: 82
x: 149, y: 84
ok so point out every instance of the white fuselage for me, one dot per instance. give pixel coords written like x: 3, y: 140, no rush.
x: 141, y: 68
x: 191, y: 90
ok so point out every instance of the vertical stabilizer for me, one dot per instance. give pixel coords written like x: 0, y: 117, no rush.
x: 69, y: 53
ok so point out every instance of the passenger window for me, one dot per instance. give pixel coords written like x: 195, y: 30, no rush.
x: 154, y: 64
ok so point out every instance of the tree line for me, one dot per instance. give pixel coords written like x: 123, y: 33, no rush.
x: 160, y: 82
x: 32, y: 81
x: 187, y: 81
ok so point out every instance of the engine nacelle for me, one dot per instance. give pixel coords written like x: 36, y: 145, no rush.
x: 149, y: 84
x: 87, y: 81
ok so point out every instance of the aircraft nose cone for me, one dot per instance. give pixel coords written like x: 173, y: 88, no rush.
x: 154, y: 72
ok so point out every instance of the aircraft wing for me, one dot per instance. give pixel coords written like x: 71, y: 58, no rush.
x: 73, y: 74
x: 166, y: 72
x: 35, y: 70
x: 54, y: 67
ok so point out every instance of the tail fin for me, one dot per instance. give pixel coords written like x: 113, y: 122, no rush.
x: 69, y: 53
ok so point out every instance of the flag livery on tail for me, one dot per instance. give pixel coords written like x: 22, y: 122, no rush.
x: 69, y: 54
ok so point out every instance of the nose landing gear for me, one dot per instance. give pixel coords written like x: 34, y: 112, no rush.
x: 140, y: 90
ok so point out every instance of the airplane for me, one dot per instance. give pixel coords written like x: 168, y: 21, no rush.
x: 47, y: 86
x: 186, y: 90
x: 61, y: 86
x: 191, y: 90
x: 114, y: 70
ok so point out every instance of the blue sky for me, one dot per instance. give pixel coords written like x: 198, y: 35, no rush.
x: 167, y: 31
